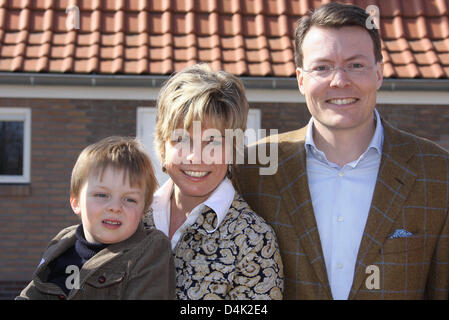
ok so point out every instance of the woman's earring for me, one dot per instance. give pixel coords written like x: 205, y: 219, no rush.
x: 164, y: 169
x: 229, y: 172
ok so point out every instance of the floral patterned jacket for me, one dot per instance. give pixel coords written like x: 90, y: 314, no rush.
x: 238, y: 260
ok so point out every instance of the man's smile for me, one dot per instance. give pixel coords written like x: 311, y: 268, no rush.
x: 342, y: 101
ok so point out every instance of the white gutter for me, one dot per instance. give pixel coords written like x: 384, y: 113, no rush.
x: 120, y: 87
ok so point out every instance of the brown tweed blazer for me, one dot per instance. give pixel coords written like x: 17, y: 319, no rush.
x: 411, y: 193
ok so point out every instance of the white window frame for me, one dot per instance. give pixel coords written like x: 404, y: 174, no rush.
x: 146, y: 116
x: 19, y: 114
x: 146, y: 121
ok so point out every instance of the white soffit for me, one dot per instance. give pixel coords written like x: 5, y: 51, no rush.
x: 253, y: 95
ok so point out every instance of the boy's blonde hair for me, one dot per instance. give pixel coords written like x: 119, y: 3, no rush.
x: 122, y: 153
x: 195, y: 94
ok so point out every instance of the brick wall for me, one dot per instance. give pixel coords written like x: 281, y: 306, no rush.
x: 30, y: 215
x: 431, y: 122
x: 11, y: 289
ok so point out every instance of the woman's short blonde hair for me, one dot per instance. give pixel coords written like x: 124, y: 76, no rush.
x: 195, y: 94
x: 122, y: 153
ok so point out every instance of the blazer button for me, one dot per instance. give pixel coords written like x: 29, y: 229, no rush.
x: 101, y: 279
x: 61, y: 297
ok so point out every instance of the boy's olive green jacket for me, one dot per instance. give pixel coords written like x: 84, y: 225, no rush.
x: 140, y: 267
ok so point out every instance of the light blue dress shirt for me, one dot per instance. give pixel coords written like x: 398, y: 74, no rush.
x: 341, y: 198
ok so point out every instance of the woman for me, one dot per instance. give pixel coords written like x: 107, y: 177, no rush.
x: 222, y: 249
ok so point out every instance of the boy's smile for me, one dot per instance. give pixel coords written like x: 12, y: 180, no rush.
x: 109, y: 207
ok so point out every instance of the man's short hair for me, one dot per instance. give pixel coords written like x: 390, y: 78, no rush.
x: 334, y: 15
x: 121, y: 153
x: 195, y: 94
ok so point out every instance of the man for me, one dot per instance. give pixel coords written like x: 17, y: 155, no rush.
x: 360, y: 208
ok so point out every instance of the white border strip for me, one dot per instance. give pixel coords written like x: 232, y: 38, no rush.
x: 254, y: 95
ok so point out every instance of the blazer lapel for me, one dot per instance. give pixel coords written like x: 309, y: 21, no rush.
x: 394, y: 182
x: 291, y: 180
x: 53, y: 252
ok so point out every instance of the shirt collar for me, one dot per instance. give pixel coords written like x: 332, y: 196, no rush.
x: 375, y: 144
x: 219, y: 201
x: 377, y: 141
x: 161, y: 206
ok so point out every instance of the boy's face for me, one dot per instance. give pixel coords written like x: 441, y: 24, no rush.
x: 110, y: 209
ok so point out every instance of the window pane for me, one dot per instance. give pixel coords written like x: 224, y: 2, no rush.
x: 11, y: 147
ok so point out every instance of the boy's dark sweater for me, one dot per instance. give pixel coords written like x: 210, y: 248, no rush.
x: 77, y: 255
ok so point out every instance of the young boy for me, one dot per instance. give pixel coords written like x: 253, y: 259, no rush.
x: 110, y: 255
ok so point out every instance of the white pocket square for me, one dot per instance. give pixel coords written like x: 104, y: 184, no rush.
x: 400, y: 233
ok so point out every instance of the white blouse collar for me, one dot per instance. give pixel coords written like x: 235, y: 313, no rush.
x: 219, y: 201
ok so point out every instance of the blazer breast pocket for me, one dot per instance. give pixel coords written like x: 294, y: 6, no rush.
x: 405, y: 250
x: 105, y: 279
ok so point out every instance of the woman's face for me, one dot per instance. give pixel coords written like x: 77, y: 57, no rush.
x: 196, y: 161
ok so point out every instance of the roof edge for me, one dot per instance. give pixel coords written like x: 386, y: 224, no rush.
x: 156, y: 81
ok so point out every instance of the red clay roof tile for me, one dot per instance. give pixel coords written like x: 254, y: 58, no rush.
x: 421, y: 45
x: 160, y: 67
x: 260, y: 69
x: 245, y: 37
x: 237, y: 55
x: 163, y: 40
x: 403, y: 57
x: 399, y: 44
x: 446, y: 71
x: 438, y: 27
x: 432, y: 71
x: 252, y: 7
x: 412, y: 9
x: 256, y: 43
x: 444, y: 58
x: 229, y: 42
x: 280, y: 43
x: 426, y: 58
x: 209, y: 41
x: 282, y: 57
x: 389, y: 8
x: 276, y: 8
x: 441, y: 45
x: 435, y: 8
x: 283, y: 70
x: 389, y: 71
x: 276, y: 26
x: 392, y: 28
x: 209, y: 55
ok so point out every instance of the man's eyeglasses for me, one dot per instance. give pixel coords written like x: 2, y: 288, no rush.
x: 351, y: 69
